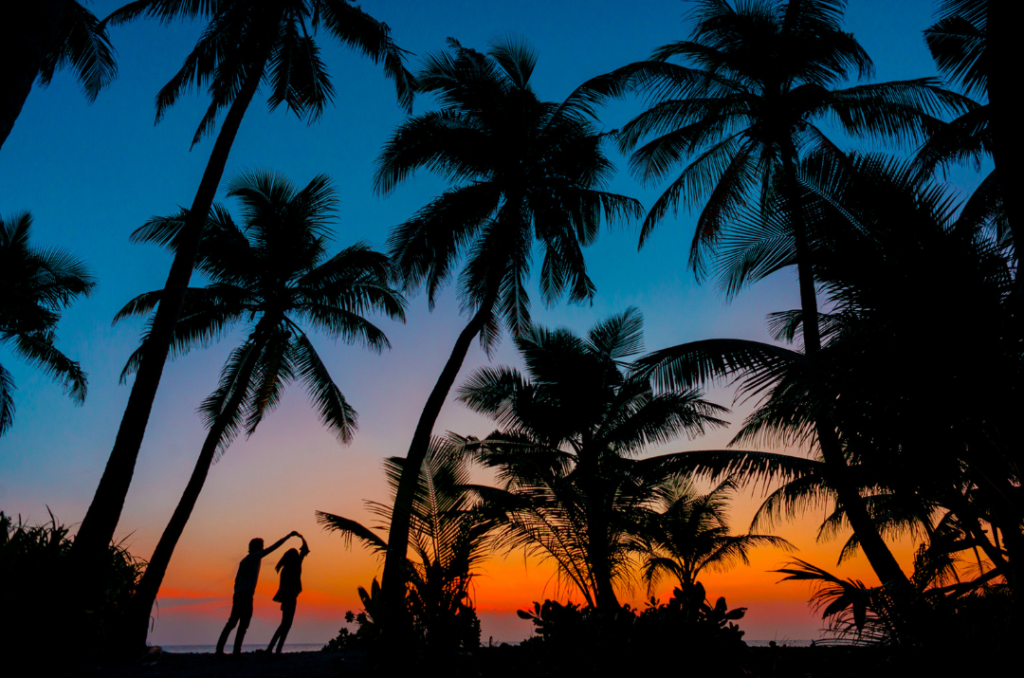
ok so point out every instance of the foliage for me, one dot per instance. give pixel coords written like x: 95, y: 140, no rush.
x: 661, y: 635
x: 36, y: 285
x: 449, y: 537
x: 35, y: 569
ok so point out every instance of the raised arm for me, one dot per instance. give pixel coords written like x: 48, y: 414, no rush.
x: 277, y: 544
x: 304, y: 551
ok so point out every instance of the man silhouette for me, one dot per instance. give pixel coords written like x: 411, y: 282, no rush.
x: 245, y: 588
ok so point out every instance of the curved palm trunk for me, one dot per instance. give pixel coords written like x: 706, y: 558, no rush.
x: 141, y: 606
x: 394, y: 577
x: 875, y: 548
x: 101, y: 520
x: 26, y: 32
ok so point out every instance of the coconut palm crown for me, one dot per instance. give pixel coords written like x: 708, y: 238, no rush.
x: 755, y: 82
x: 688, y: 533
x: 41, y: 37
x: 35, y: 286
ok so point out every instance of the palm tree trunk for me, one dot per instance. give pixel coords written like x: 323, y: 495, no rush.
x: 394, y: 577
x: 105, y: 511
x: 141, y: 606
x: 837, y: 470
x: 26, y: 32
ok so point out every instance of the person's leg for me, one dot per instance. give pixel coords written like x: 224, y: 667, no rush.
x: 288, y: 614
x: 244, y: 617
x: 232, y: 620
x: 277, y: 634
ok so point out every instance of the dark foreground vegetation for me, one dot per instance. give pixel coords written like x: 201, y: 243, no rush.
x: 898, y: 379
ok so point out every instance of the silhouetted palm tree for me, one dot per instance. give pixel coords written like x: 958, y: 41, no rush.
x: 448, y: 535
x: 35, y: 286
x: 273, y: 273
x: 962, y: 45
x: 897, y: 260
x: 571, y: 428
x: 245, y: 43
x: 40, y: 37
x: 974, y: 45
x: 524, y: 169
x: 759, y: 76
x: 688, y: 533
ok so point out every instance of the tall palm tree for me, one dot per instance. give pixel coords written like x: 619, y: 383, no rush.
x: 571, y: 428
x: 449, y: 536
x: 906, y: 262
x: 245, y: 43
x: 688, y: 533
x: 35, y: 286
x: 523, y: 169
x: 40, y: 37
x: 272, y: 273
x: 758, y: 79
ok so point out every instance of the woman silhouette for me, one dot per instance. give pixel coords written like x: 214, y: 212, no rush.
x: 290, y: 567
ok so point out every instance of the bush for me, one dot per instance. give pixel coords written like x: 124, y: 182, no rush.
x: 684, y: 632
x: 38, y: 608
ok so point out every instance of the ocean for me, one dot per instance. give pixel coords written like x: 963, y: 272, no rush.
x: 246, y: 647
x: 316, y: 647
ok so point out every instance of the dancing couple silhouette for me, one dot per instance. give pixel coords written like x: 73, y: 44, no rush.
x: 290, y: 568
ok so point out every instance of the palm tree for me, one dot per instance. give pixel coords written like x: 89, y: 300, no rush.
x: 897, y: 260
x: 759, y: 79
x: 40, y: 37
x: 571, y: 428
x: 35, y: 286
x: 688, y: 533
x: 273, y: 273
x: 449, y: 536
x: 524, y: 169
x: 246, y: 43
x: 971, y: 50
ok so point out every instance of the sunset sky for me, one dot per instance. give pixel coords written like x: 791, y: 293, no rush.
x: 91, y: 174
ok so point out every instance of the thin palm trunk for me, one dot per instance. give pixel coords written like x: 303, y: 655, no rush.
x: 101, y: 520
x: 145, y: 596
x: 26, y: 32
x: 394, y: 577
x: 877, y: 551
x: 598, y: 554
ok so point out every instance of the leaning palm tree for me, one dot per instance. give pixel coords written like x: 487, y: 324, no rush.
x: 737, y: 116
x: 245, y: 44
x: 449, y: 536
x: 41, y: 37
x: 687, y: 533
x: 274, y: 274
x: 35, y: 286
x: 571, y: 488
x: 523, y: 169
